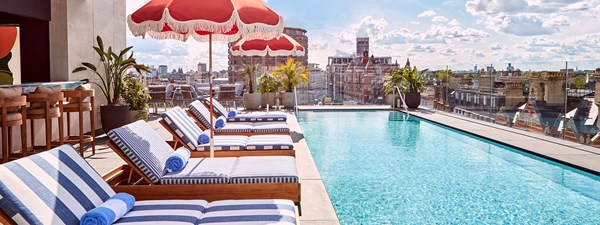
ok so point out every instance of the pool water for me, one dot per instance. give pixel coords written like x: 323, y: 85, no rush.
x: 415, y: 172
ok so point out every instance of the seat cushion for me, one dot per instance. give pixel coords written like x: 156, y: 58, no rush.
x: 11, y: 92
x: 144, y: 147
x: 218, y: 108
x: 46, y: 89
x: 265, y: 169
x: 183, y: 126
x: 201, y: 113
x: 85, y: 105
x: 270, y: 142
x: 40, y: 111
x: 165, y: 212
x: 239, y: 127
x: 226, y: 143
x: 53, y: 187
x: 78, y: 88
x: 250, y: 212
x: 12, y: 117
x: 270, y: 127
x: 258, y: 118
x: 202, y: 171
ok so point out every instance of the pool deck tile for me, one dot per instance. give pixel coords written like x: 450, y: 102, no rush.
x: 316, y: 206
x: 583, y: 156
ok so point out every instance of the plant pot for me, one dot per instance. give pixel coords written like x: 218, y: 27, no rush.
x: 114, y: 116
x: 268, y: 99
x: 252, y: 101
x: 288, y: 100
x: 390, y: 99
x: 413, y: 99
x: 135, y: 115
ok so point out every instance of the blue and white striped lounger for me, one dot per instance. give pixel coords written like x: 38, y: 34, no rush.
x: 187, y: 131
x: 200, y: 111
x: 58, y: 187
x: 146, y: 149
x: 221, y: 111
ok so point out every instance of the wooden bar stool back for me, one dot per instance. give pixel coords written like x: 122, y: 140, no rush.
x: 46, y: 103
x: 13, y: 109
x: 80, y: 100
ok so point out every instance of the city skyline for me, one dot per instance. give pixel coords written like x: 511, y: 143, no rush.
x: 530, y: 34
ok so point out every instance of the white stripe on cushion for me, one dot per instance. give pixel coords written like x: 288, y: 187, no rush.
x: 218, y: 107
x: 250, y: 212
x: 265, y: 169
x: 202, y: 171
x: 183, y: 126
x: 165, y: 212
x: 200, y: 112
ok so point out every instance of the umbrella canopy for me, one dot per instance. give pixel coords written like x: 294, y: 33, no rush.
x: 206, y: 20
x: 224, y: 20
x: 283, y: 45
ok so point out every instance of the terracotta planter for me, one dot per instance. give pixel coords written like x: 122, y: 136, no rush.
x: 288, y: 100
x: 413, y: 100
x: 114, y: 116
x: 252, y: 101
x: 267, y: 98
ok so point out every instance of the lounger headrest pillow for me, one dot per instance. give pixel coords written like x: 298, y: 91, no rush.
x: 221, y: 122
x: 110, y: 211
x: 204, y: 137
x: 232, y: 114
x: 178, y: 160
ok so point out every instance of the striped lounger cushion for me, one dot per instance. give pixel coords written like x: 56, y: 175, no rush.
x: 270, y: 142
x: 265, y: 169
x: 201, y: 112
x: 221, y: 111
x: 270, y: 127
x: 280, y: 212
x: 203, y: 171
x: 58, y: 187
x: 226, y: 143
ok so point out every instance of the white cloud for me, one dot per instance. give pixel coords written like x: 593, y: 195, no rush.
x: 496, y: 47
x: 318, y: 44
x: 428, y: 13
x: 366, y: 27
x: 454, y: 23
x: 415, y: 22
x: 439, y: 19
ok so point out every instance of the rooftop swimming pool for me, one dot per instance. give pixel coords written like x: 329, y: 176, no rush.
x: 415, y: 172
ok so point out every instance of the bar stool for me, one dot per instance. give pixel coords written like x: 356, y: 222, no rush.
x: 12, y: 113
x: 46, y: 103
x: 76, y: 103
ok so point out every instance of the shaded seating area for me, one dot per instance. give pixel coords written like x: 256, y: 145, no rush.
x: 158, y: 96
x: 59, y: 187
x: 187, y: 133
x: 219, y: 110
x: 260, y: 177
x: 202, y: 116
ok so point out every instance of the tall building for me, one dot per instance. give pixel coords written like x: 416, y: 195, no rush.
x: 236, y: 63
x: 359, y: 77
x: 202, y: 68
x: 162, y: 69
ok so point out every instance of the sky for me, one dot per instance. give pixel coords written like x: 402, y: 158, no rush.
x: 530, y: 34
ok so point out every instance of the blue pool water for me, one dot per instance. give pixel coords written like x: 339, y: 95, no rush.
x: 393, y: 172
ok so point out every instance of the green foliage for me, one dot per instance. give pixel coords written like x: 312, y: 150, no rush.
x: 112, y: 71
x: 291, y: 73
x: 442, y: 75
x: 134, y: 93
x: 249, y: 71
x: 407, y: 79
x: 580, y: 82
x: 268, y: 83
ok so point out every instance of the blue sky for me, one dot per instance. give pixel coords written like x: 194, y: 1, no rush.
x: 532, y: 34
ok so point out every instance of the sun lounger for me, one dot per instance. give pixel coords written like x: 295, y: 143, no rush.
x: 219, y: 110
x: 58, y: 187
x: 201, y: 114
x: 186, y: 133
x: 257, y: 177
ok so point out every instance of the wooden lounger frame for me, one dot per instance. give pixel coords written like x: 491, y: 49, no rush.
x: 227, y: 153
x: 122, y: 177
x: 197, y: 121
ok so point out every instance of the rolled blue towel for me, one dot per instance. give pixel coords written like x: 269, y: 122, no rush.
x: 110, y: 211
x: 232, y: 114
x: 220, y: 123
x: 204, y: 137
x: 178, y: 160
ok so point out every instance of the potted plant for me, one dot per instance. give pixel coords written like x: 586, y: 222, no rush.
x: 268, y: 86
x: 251, y: 100
x: 291, y: 73
x: 136, y: 97
x: 410, y: 82
x: 113, y: 66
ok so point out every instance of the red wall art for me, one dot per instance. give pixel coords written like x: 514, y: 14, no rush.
x: 9, y: 54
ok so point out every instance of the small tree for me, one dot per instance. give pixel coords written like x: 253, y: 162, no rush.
x: 580, y: 82
x: 407, y: 79
x: 268, y: 83
x: 249, y: 71
x: 291, y: 73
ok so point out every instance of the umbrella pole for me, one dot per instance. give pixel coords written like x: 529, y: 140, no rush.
x: 210, y: 82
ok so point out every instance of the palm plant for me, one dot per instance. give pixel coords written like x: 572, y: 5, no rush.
x: 249, y: 72
x: 407, y: 79
x: 267, y: 83
x: 112, y: 71
x: 291, y: 73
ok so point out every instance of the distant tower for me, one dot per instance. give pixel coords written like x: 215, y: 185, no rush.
x: 362, y: 46
x: 407, y: 63
x: 475, y: 68
x: 510, y: 68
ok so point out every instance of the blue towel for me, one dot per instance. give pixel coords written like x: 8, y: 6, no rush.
x: 220, y: 123
x: 178, y: 160
x: 110, y: 211
x: 232, y: 114
x: 204, y: 137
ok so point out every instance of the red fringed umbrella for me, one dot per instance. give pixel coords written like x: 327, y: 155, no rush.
x: 283, y: 45
x: 206, y: 20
